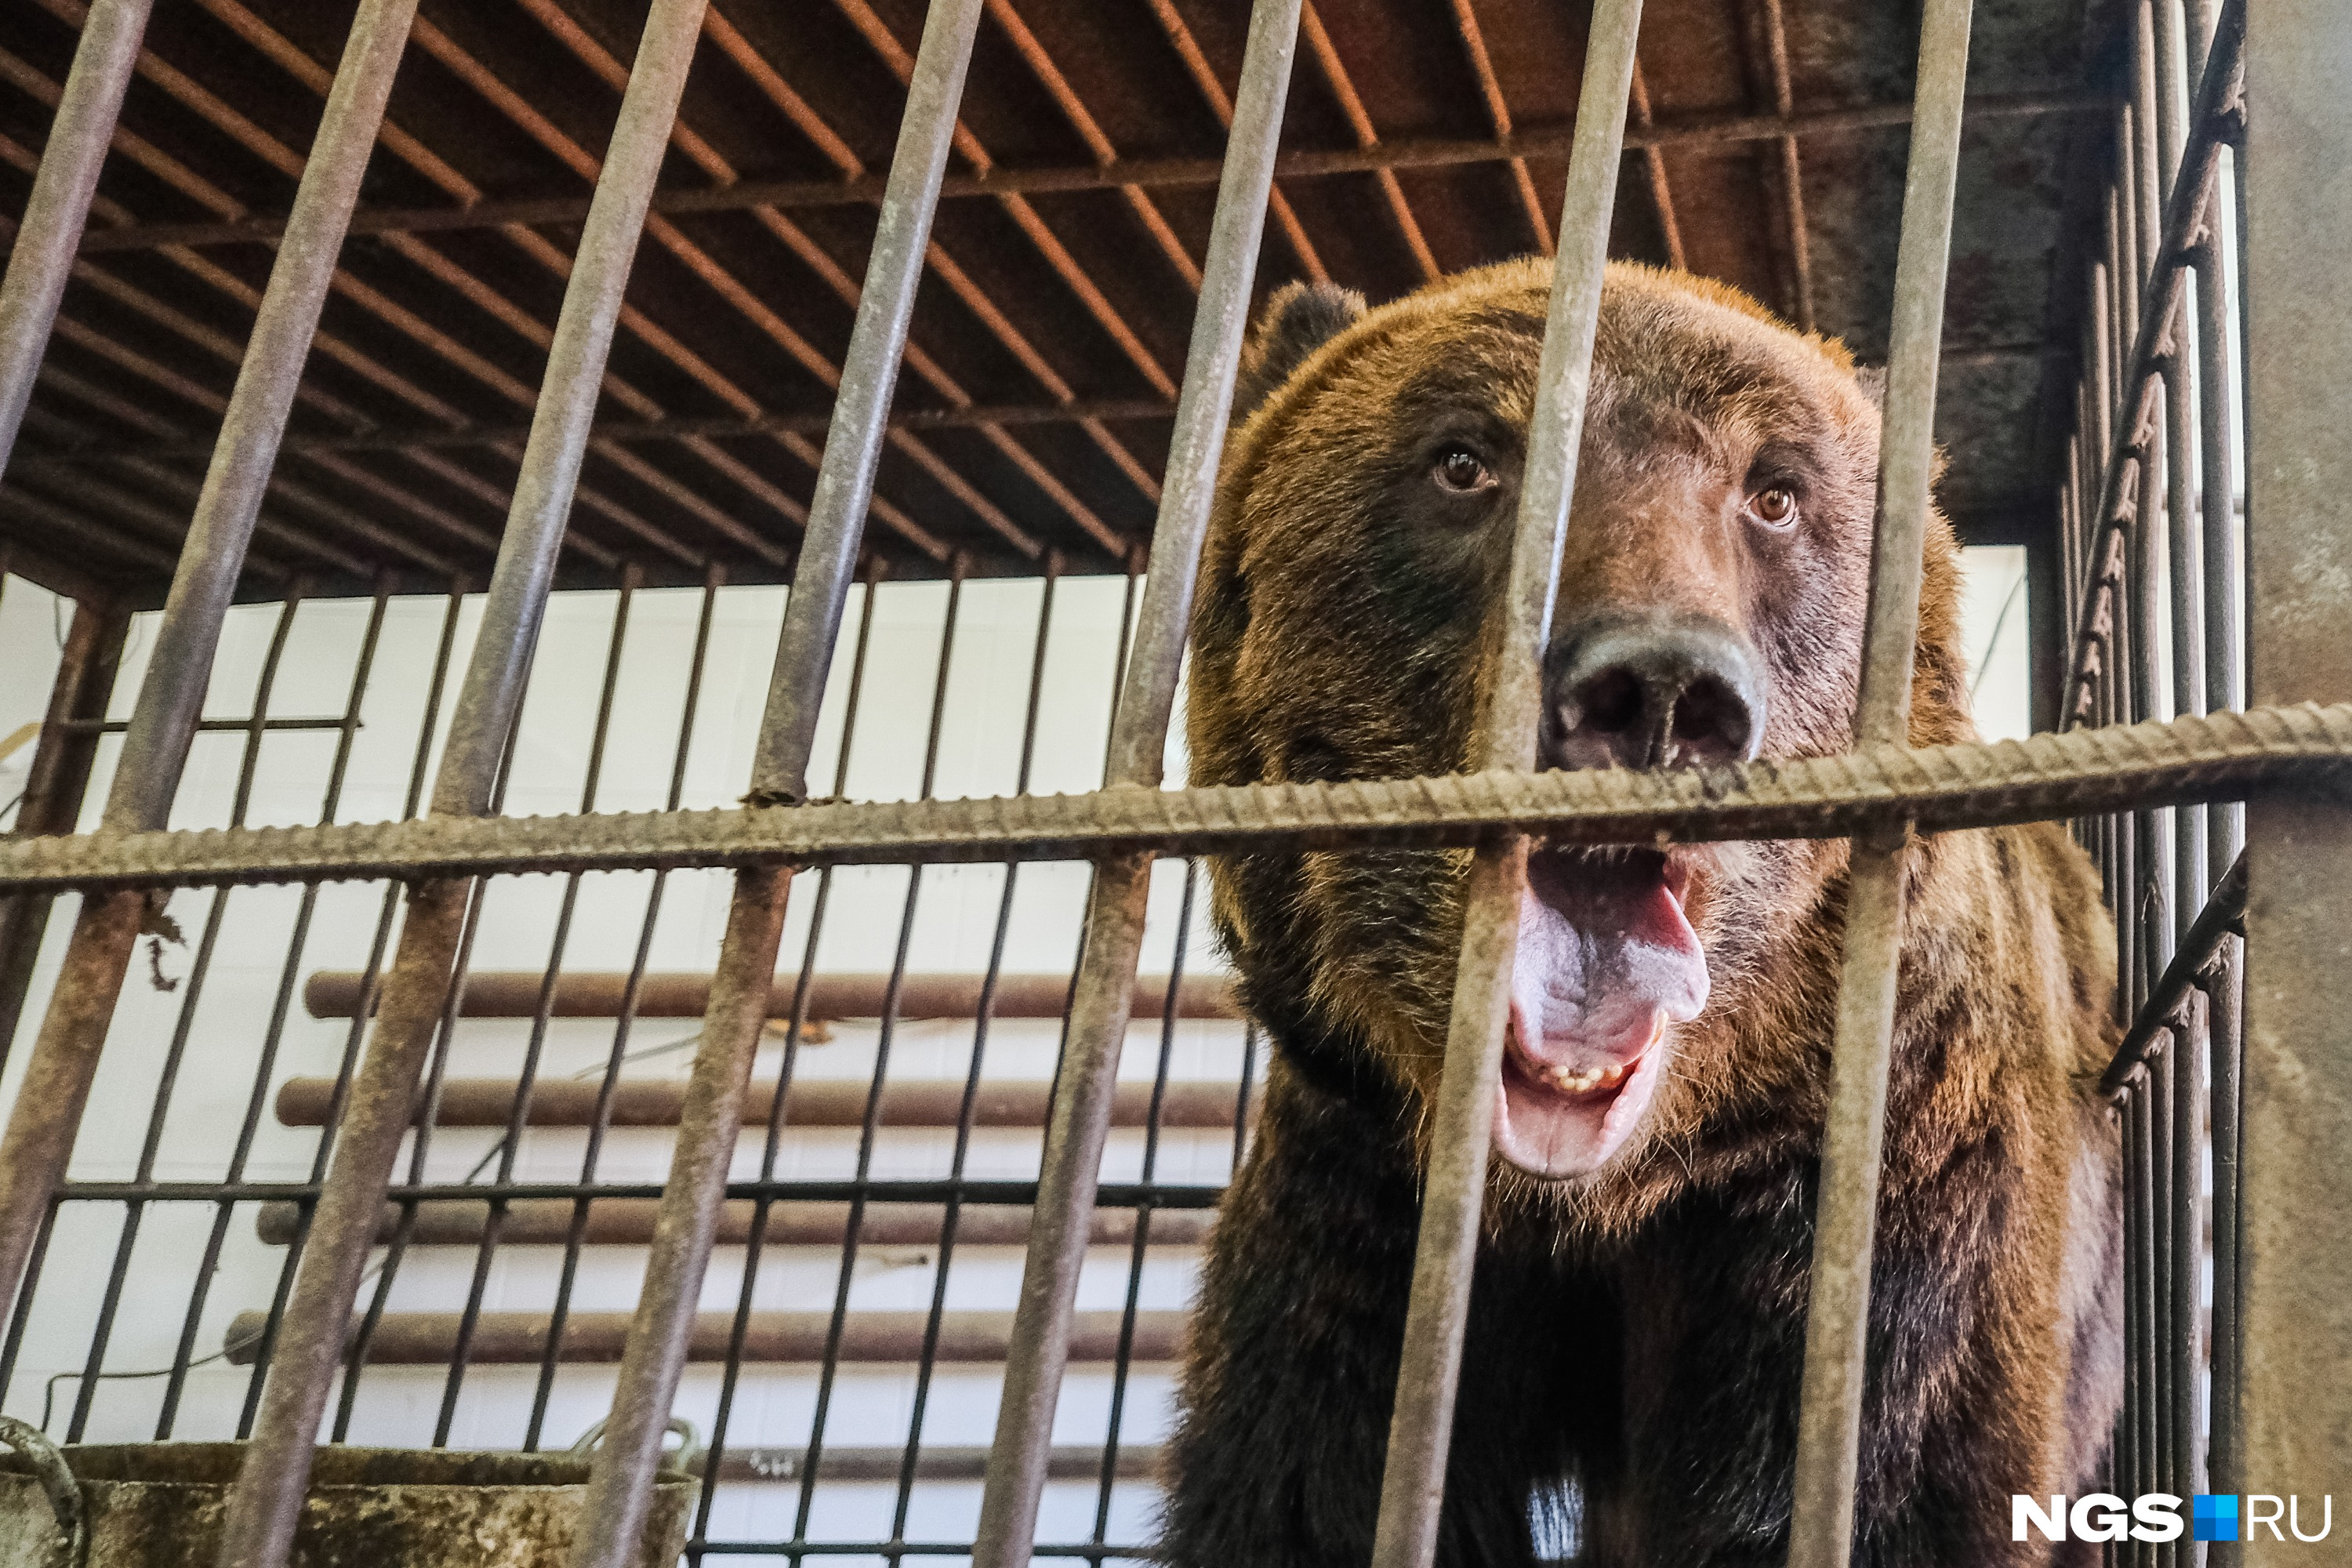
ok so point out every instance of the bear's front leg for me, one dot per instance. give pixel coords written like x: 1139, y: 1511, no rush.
x: 1291, y: 1370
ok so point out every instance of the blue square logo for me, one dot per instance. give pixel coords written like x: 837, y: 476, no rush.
x: 2214, y: 1518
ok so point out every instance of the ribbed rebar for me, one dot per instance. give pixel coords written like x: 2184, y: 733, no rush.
x: 2199, y: 757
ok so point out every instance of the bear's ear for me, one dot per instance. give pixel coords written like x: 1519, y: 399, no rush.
x: 1299, y: 319
x: 1872, y: 379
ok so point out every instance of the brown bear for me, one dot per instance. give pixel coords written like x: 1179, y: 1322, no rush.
x: 1638, y: 1311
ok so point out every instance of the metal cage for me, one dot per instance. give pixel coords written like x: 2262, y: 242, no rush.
x: 2207, y: 667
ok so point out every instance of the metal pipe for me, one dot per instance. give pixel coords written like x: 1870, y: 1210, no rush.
x: 2297, y: 1116
x: 620, y: 1479
x: 1412, y: 1488
x: 1837, y: 1320
x: 1099, y: 1011
x: 660, y: 994
x: 48, y: 1111
x: 49, y: 230
x: 267, y: 1501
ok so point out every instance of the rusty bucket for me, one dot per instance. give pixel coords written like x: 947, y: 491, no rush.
x: 160, y: 1505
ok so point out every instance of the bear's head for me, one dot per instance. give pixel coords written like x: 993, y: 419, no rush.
x: 1710, y: 608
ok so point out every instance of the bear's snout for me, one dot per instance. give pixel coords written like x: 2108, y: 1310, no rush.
x: 1648, y: 689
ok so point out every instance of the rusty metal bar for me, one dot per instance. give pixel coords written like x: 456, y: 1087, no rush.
x: 1791, y: 175
x: 55, y: 786
x: 1100, y: 1002
x: 268, y: 1499
x: 2297, y: 1116
x: 1334, y: 73
x: 1549, y: 142
x: 2203, y: 946
x: 829, y: 998
x: 47, y: 1113
x: 49, y: 230
x: 1653, y: 161
x: 1837, y: 1320
x: 620, y: 1479
x: 1420, y: 1428
x: 2195, y: 758
x: 1498, y: 115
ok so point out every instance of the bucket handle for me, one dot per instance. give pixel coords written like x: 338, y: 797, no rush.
x: 57, y: 1481
x: 689, y: 1446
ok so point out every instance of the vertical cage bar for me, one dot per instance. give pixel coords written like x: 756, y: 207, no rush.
x: 1080, y: 1115
x: 795, y: 1032
x: 1838, y: 1318
x: 281, y: 1008
x: 267, y: 1498
x: 48, y: 232
x: 710, y: 1119
x: 2226, y: 1470
x: 55, y: 786
x: 2297, y: 1116
x: 509, y: 1145
x: 2225, y: 557
x: 2187, y: 1266
x: 885, y: 1037
x: 1421, y: 1429
x: 49, y: 1102
x: 599, y: 1120
x: 191, y: 997
x: 983, y: 1014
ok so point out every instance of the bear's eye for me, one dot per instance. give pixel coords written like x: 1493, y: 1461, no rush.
x: 1462, y: 472
x: 1775, y: 506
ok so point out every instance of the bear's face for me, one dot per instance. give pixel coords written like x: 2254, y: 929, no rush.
x: 1710, y: 607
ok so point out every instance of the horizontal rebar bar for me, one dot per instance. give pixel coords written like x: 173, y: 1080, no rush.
x: 2187, y: 761
x: 1543, y: 142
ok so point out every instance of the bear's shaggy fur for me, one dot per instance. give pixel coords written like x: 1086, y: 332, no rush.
x: 1637, y: 1331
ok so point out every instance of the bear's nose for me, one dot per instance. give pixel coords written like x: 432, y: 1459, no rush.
x: 1648, y: 691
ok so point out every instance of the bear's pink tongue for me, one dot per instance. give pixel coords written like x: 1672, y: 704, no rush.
x: 1606, y: 959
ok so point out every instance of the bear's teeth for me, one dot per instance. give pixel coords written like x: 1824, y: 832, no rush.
x: 1568, y: 1081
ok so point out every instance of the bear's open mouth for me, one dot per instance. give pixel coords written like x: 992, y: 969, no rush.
x: 1606, y: 962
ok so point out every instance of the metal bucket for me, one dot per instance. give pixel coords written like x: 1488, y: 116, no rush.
x: 160, y: 1505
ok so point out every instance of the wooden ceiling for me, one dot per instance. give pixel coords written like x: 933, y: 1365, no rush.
x: 1422, y: 136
